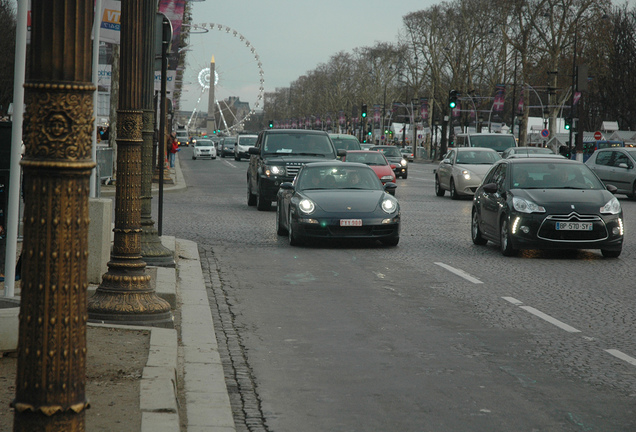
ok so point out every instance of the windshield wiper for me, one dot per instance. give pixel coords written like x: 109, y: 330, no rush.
x: 308, y: 154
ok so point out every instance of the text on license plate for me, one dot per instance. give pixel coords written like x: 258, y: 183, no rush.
x: 350, y: 222
x: 574, y: 226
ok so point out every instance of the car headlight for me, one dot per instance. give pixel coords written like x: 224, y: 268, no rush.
x: 525, y: 206
x: 611, y: 207
x: 404, y: 162
x: 306, y: 206
x: 389, y: 205
x: 466, y: 174
x: 274, y: 170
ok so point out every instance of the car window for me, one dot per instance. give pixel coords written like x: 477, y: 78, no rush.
x: 477, y: 157
x: 372, y: 158
x: 388, y: 151
x: 247, y: 141
x: 334, y: 177
x: 603, y: 158
x: 346, y: 143
x: 620, y: 158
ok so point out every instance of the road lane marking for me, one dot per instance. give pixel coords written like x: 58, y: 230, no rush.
x: 622, y: 356
x: 230, y: 164
x: 542, y: 315
x: 460, y: 273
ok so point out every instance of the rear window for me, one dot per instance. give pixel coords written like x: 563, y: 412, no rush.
x: 497, y: 143
x: 346, y: 143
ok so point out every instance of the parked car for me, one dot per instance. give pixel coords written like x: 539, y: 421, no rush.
x: 376, y: 161
x: 462, y: 169
x: 393, y: 155
x: 243, y: 143
x: 528, y: 203
x: 203, y: 148
x: 616, y: 166
x: 526, y: 151
x: 278, y: 155
x: 496, y: 141
x: 226, y: 146
x: 329, y: 200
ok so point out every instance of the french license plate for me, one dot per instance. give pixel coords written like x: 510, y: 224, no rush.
x: 350, y: 222
x: 574, y: 226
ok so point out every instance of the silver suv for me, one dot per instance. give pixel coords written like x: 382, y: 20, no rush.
x: 243, y: 143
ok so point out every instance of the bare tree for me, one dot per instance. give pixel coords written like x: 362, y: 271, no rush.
x: 7, y: 53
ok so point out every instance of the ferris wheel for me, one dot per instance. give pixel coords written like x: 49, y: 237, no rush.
x: 238, y: 80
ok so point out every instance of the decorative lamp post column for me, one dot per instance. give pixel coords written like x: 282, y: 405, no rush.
x: 125, y: 295
x: 51, y: 373
x: 152, y: 251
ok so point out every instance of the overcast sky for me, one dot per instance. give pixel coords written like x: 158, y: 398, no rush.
x: 290, y: 38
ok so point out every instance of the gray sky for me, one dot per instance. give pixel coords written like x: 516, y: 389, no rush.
x: 290, y: 38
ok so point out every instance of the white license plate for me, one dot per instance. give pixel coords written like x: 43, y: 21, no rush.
x: 350, y: 222
x: 574, y: 226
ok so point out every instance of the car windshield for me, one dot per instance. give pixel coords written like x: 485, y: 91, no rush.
x: 533, y: 150
x: 229, y: 141
x: 495, y: 142
x: 204, y: 143
x: 247, y: 141
x: 554, y: 176
x: 338, y: 177
x: 369, y: 158
x: 346, y: 143
x: 298, y: 144
x: 477, y: 157
x: 388, y: 151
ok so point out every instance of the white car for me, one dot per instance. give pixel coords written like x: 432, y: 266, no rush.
x: 204, y: 148
x: 462, y: 170
x: 243, y: 143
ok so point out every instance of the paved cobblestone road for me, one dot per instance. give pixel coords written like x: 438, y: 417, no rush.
x: 435, y: 334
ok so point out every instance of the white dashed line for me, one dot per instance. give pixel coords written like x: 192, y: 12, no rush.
x: 622, y: 356
x: 542, y: 315
x: 460, y: 273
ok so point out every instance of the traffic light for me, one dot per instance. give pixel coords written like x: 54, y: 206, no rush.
x: 271, y: 124
x: 568, y: 124
x: 452, y: 99
x: 214, y: 131
x: 364, y: 110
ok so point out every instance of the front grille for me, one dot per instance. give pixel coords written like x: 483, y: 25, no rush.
x: 547, y: 230
x: 293, y: 168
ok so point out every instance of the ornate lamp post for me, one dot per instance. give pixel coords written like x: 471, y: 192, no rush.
x: 125, y: 294
x: 51, y: 374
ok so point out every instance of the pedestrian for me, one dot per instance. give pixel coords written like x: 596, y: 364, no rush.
x: 173, y: 148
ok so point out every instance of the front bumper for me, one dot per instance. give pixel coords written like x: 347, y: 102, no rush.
x: 538, y: 231
x: 329, y: 228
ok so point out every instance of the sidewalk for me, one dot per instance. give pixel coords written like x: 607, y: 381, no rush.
x: 182, y: 386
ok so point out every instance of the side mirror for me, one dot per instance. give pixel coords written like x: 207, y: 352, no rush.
x: 253, y: 150
x: 611, y: 188
x: 623, y: 165
x: 490, y: 188
x: 287, y: 186
x: 390, y: 186
x: 341, y: 152
x: 446, y: 161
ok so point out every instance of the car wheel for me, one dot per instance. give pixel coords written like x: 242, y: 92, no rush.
x: 393, y: 241
x: 453, y: 190
x: 279, y: 226
x: 222, y: 155
x: 294, y: 239
x: 405, y: 175
x: 251, y: 198
x: 475, y: 232
x: 505, y: 243
x: 633, y: 195
x: 262, y: 204
x: 237, y: 158
x: 193, y: 157
x: 611, y: 253
x: 439, y: 191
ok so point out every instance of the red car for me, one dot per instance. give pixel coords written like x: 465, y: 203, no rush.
x: 376, y: 161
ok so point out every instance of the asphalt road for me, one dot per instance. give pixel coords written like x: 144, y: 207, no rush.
x: 434, y: 334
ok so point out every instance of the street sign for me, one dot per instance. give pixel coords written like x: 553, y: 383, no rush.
x: 545, y: 133
x: 598, y: 135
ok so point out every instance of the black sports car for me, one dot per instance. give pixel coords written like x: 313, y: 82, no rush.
x: 540, y: 203
x: 337, y: 200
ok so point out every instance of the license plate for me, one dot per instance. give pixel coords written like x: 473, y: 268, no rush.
x: 574, y: 226
x: 350, y: 222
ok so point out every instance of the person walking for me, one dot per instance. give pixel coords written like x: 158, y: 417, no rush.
x: 173, y: 148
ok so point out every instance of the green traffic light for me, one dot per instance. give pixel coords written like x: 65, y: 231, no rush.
x: 452, y: 104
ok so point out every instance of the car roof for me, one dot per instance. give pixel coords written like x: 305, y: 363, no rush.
x: 539, y: 159
x: 337, y: 163
x: 467, y: 149
x: 341, y: 136
x: 295, y: 131
x: 536, y: 155
x: 362, y: 151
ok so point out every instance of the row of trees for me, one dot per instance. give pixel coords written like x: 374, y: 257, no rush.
x: 527, y: 47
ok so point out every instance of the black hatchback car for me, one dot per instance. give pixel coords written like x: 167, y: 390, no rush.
x: 539, y: 203
x: 398, y: 161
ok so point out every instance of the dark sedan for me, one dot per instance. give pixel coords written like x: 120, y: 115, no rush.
x: 329, y: 200
x: 396, y: 159
x: 538, y: 203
